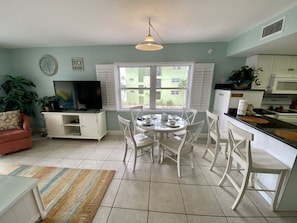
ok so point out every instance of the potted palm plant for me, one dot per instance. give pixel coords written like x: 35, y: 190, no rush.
x: 19, y: 95
x: 47, y: 103
x: 243, y: 77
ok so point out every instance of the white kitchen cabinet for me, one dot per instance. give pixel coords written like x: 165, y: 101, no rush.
x: 293, y: 65
x: 284, y: 65
x: 226, y: 99
x: 266, y: 63
x: 78, y: 125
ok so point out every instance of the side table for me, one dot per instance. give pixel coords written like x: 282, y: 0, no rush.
x: 20, y: 200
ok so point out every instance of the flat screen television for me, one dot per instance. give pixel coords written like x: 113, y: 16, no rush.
x: 78, y: 95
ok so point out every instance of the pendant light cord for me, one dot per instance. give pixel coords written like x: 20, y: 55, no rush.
x: 182, y: 57
x: 151, y: 26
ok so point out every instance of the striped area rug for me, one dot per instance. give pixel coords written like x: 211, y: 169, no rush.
x: 69, y: 195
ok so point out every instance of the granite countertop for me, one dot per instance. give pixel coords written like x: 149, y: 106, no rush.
x: 280, y: 130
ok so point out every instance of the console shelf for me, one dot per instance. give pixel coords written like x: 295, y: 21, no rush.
x: 76, y: 125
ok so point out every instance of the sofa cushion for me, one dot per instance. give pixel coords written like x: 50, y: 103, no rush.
x: 12, y: 135
x: 10, y: 120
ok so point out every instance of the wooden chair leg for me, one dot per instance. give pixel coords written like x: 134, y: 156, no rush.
x: 216, y: 152
x: 242, y: 190
x: 161, y: 153
x: 178, y: 165
x: 191, y: 158
x: 135, y: 157
x: 227, y: 171
x: 279, y: 184
x: 226, y: 152
x: 207, y: 146
x: 126, y: 148
x: 152, y: 153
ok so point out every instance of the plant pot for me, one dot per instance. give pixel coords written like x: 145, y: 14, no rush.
x: 55, y: 105
x: 242, y: 86
x: 47, y: 108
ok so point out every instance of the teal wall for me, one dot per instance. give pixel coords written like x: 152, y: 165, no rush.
x: 252, y: 38
x: 5, y: 65
x: 25, y: 62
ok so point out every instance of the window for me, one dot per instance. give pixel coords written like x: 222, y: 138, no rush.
x: 158, y: 84
x: 174, y: 92
x: 152, y: 85
x: 175, y: 80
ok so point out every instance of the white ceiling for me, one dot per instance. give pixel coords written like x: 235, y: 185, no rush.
x: 46, y: 23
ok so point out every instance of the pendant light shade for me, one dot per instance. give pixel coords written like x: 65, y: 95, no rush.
x: 149, y: 43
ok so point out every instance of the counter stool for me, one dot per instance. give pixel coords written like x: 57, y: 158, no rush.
x: 214, y: 134
x: 251, y: 162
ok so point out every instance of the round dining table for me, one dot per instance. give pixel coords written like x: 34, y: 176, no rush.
x: 160, y: 126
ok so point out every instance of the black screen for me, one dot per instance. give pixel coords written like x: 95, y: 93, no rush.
x: 81, y: 95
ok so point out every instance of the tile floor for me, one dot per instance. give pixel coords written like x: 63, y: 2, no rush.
x: 153, y: 193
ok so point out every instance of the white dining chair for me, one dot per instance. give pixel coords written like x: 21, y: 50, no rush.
x: 135, y: 141
x: 136, y: 112
x: 179, y: 146
x: 251, y: 161
x: 189, y: 115
x: 219, y: 137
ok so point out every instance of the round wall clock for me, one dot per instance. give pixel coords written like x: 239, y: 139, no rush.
x: 48, y: 65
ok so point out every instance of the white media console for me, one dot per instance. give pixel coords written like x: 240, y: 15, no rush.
x: 76, y: 124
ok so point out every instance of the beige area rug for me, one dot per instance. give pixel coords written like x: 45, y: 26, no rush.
x: 69, y: 195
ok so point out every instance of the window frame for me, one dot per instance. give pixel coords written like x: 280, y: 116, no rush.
x: 153, y: 79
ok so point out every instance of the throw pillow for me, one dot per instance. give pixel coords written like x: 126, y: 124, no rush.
x: 10, y: 120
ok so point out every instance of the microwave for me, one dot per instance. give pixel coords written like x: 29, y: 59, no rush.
x: 283, y: 84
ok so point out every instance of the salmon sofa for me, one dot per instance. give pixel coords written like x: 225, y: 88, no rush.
x: 16, y: 139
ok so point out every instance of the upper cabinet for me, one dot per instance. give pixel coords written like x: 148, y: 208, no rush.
x: 271, y: 64
x: 265, y: 62
x: 285, y: 65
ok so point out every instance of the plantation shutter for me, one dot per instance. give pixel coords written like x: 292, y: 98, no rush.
x: 201, y: 86
x: 105, y: 74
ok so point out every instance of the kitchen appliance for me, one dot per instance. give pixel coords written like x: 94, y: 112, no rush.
x: 283, y: 84
x: 279, y: 108
x: 289, y: 116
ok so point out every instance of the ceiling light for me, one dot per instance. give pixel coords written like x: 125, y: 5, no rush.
x: 149, y: 43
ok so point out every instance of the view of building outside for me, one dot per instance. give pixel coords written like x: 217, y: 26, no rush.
x: 154, y: 86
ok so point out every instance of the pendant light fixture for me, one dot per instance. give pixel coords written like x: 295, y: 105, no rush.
x: 149, y: 43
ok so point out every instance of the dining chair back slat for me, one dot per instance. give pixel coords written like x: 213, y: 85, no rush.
x: 136, y: 111
x: 189, y: 114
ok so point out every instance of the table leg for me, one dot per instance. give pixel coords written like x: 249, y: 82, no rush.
x: 160, y: 138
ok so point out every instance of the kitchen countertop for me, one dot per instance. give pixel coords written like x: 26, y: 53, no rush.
x: 269, y: 128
